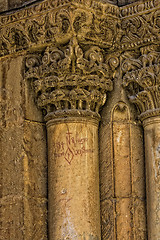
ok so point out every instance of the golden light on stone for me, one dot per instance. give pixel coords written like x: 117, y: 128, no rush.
x: 71, y: 85
x: 80, y: 119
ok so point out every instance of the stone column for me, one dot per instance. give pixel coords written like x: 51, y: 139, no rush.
x: 73, y: 177
x: 143, y: 84
x: 71, y: 86
x: 152, y: 153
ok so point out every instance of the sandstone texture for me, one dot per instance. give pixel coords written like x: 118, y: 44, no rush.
x: 152, y: 151
x: 80, y: 120
x: 74, y: 204
x: 23, y: 161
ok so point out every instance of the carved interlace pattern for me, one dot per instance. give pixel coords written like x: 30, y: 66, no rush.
x: 142, y: 79
x: 92, y: 22
x: 70, y: 77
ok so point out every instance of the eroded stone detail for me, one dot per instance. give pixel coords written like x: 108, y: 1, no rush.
x: 93, y: 22
x: 140, y: 29
x: 141, y: 78
x: 70, y: 77
x: 97, y: 25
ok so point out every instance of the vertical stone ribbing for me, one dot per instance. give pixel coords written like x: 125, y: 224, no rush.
x: 122, y: 171
x: 133, y: 203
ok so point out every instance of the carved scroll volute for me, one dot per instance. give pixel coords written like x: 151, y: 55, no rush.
x: 70, y: 78
x: 142, y: 80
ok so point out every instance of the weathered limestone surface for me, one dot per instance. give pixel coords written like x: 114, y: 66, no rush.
x: 23, y: 161
x: 122, y: 177
x: 152, y: 152
x: 123, y: 210
x: 73, y: 180
x: 122, y: 167
x: 70, y: 83
x: 79, y: 45
x: 3, y: 5
x: 11, y: 151
x: 35, y: 181
x: 142, y: 83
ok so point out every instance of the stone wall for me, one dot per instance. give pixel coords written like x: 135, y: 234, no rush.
x: 24, y: 162
x: 23, y: 157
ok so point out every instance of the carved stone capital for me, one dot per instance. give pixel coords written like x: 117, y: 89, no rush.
x: 71, y: 79
x: 142, y: 79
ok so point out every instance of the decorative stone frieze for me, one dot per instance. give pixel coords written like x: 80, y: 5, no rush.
x: 57, y: 22
x: 92, y: 22
x: 140, y: 28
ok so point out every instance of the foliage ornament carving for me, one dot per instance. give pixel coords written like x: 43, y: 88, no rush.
x: 140, y: 29
x: 142, y: 79
x: 47, y: 23
x: 92, y: 22
x: 70, y: 78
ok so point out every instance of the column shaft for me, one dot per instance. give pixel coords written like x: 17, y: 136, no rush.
x: 74, y: 206
x: 152, y: 157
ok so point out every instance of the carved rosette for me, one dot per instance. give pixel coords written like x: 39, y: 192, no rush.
x: 70, y: 79
x: 142, y: 80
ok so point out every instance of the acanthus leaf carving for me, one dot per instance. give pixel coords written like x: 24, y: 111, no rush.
x: 141, y: 79
x: 70, y: 77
